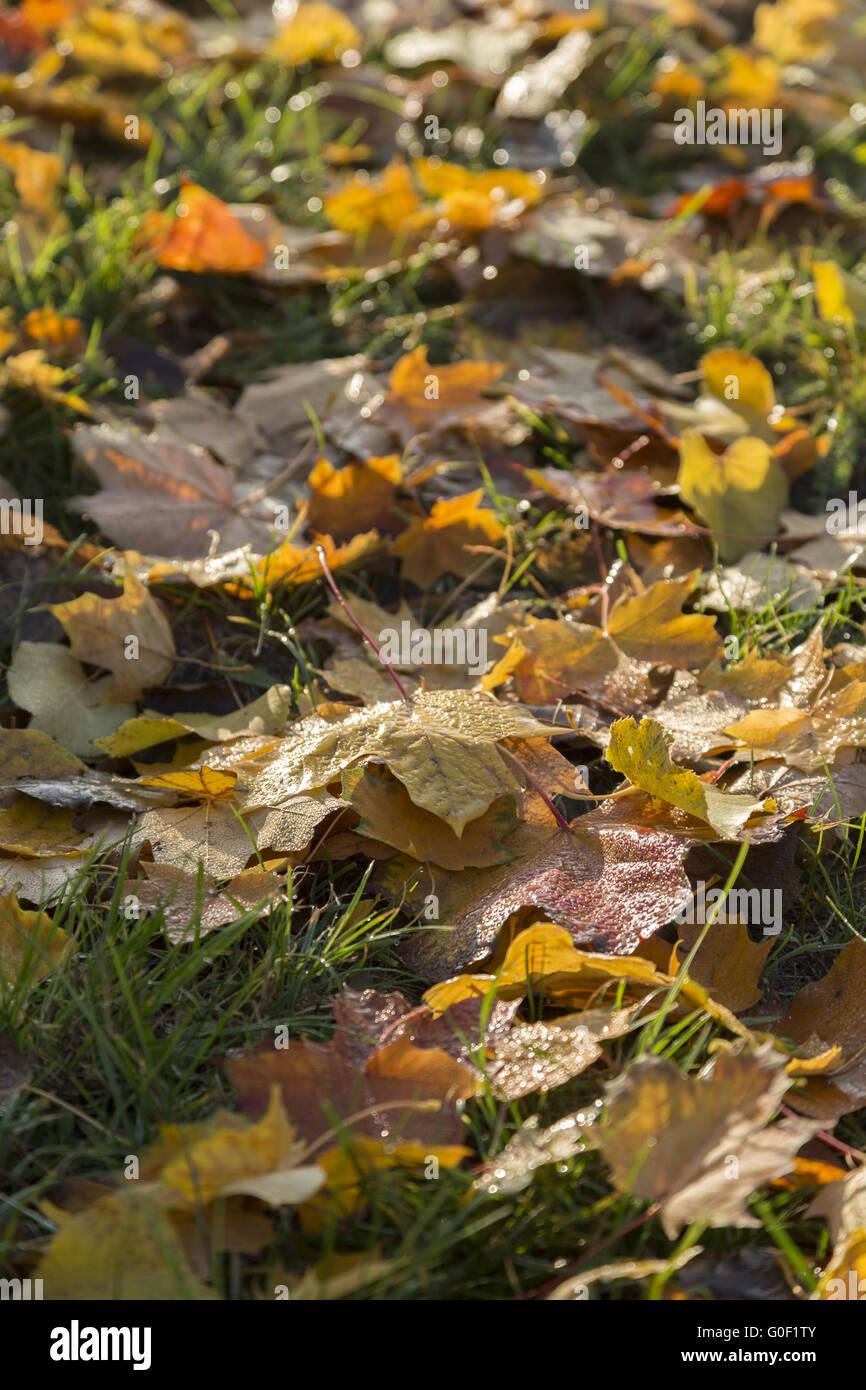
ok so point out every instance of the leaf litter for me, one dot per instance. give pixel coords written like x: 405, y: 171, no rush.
x: 465, y: 642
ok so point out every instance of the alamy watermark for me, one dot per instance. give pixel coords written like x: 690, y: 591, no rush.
x: 846, y: 516
x: 719, y: 125
x: 22, y: 517
x: 755, y: 907
x: 441, y: 646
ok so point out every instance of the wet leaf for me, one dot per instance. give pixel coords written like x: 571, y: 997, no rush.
x: 641, y: 752
x: 440, y: 746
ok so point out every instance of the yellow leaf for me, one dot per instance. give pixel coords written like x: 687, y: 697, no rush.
x: 229, y: 1156
x: 742, y: 380
x: 436, y: 545
x: 441, y: 746
x: 362, y: 203
x: 840, y: 296
x: 30, y: 944
x: 641, y: 752
x: 316, y: 33
x: 129, y: 636
x: 739, y: 494
x: 356, y: 498
x: 36, y: 175
x: 35, y: 830
x: 422, y: 392
x: 119, y: 1248
x: 199, y: 783
x: 651, y: 626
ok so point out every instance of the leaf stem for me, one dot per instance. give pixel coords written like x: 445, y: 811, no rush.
x: 363, y: 631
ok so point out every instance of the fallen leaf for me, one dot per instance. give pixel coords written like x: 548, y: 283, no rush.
x: 46, y: 680
x: 436, y: 545
x: 388, y: 814
x: 441, y: 746
x: 154, y: 490
x: 315, y: 33
x: 700, y: 1145
x: 201, y: 235
x: 356, y: 498
x: 30, y: 944
x: 641, y: 752
x: 129, y: 636
x: 826, y: 1013
x: 739, y: 494
x: 122, y: 1247
x: 610, y: 887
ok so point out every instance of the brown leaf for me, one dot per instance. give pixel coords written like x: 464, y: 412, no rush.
x: 436, y: 545
x: 699, y: 1145
x: 388, y: 814
x: 129, y: 636
x: 826, y: 1013
x: 609, y: 887
x: 158, y: 496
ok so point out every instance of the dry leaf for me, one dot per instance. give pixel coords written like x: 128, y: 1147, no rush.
x: 699, y: 1145
x: 129, y: 636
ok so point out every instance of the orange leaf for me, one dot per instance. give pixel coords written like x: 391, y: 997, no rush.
x: 202, y: 234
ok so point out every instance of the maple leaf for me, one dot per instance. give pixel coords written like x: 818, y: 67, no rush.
x: 668, y: 1138
x: 387, y: 1116
x: 129, y: 636
x: 154, y: 488
x: 651, y: 626
x: 436, y: 545
x: 727, y: 962
x: 543, y: 959
x: 191, y: 905
x: 30, y: 944
x: 609, y: 887
x: 809, y: 741
x: 359, y: 497
x: 641, y: 752
x: 121, y: 1247
x: 229, y: 1156
x: 441, y: 746
x: 202, y: 234
x: 46, y: 680
x: 266, y: 715
x: 37, y: 175
x: 290, y: 564
x: 387, y: 813
x: 826, y: 1018
x: 28, y: 827
x: 530, y: 1148
x: 739, y: 494
x: 362, y: 203
x: 222, y: 839
x: 316, y: 33
x: 434, y: 397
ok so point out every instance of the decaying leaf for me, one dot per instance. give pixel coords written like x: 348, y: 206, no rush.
x: 610, y: 887
x: 699, y: 1145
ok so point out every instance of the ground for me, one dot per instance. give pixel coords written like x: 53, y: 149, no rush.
x: 193, y: 201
